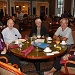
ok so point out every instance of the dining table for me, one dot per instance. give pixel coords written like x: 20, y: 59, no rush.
x: 37, y: 53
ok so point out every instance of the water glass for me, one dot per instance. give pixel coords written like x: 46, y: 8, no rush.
x: 20, y: 46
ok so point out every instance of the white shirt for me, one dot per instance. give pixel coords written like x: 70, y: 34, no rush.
x: 10, y: 35
x: 66, y: 33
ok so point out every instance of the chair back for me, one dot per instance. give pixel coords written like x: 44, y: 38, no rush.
x: 68, y: 70
x: 73, y: 34
x: 6, y: 69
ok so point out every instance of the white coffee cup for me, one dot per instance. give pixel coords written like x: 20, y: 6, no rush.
x: 16, y: 42
x: 63, y: 42
x: 38, y: 36
x: 49, y: 38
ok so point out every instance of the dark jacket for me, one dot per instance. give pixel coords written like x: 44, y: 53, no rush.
x: 43, y: 31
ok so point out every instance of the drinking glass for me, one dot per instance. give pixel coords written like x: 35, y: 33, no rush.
x: 20, y: 46
x: 26, y: 38
x: 37, y: 44
x: 57, y: 42
x: 34, y: 35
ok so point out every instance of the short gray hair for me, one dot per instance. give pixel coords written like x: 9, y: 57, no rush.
x: 67, y: 21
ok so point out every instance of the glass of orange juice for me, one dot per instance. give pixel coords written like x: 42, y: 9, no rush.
x: 57, y: 42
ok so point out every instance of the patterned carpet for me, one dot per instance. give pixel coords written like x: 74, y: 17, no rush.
x: 44, y: 66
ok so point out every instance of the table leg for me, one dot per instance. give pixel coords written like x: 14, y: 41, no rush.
x: 37, y: 66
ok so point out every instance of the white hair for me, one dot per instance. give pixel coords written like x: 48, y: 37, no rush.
x: 64, y: 19
x: 38, y: 20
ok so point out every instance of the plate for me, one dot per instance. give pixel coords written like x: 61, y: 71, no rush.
x: 63, y: 43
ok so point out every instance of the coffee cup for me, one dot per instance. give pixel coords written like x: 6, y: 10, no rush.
x: 63, y: 42
x: 49, y: 38
x: 16, y: 42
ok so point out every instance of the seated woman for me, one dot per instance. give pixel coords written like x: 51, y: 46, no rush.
x: 38, y: 29
x: 4, y: 52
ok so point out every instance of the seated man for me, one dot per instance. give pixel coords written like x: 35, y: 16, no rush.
x: 10, y: 33
x: 64, y: 33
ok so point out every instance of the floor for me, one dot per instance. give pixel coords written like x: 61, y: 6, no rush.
x: 30, y: 68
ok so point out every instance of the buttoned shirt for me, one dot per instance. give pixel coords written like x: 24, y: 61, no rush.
x: 10, y: 35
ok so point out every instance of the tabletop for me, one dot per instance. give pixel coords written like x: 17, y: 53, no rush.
x: 40, y: 54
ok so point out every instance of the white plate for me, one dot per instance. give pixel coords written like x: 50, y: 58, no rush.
x: 63, y: 43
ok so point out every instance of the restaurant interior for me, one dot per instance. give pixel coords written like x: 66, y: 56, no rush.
x: 49, y: 11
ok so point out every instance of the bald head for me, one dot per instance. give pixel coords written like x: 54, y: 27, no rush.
x: 10, y: 23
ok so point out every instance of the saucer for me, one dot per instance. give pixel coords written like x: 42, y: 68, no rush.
x: 47, y: 49
x: 63, y: 43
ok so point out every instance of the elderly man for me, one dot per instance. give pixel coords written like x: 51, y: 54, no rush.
x: 10, y: 33
x: 38, y: 29
x: 64, y: 33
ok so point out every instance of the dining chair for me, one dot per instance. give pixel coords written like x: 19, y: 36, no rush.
x: 73, y: 34
x: 68, y: 70
x: 7, y: 69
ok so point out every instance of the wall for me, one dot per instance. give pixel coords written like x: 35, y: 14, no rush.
x: 67, y: 5
x: 51, y: 7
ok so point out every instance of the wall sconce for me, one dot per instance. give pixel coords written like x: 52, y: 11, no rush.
x: 17, y: 6
x: 23, y: 6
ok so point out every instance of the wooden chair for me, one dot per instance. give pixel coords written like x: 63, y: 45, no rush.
x: 7, y: 69
x: 68, y: 70
x: 73, y: 34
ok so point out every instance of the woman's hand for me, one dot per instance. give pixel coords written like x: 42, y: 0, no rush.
x: 4, y: 51
x: 65, y: 57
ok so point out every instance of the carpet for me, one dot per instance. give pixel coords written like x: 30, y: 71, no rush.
x: 44, y: 66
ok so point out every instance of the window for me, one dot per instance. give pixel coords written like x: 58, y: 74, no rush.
x: 60, y: 7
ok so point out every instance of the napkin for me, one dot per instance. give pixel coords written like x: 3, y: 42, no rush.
x: 49, y: 54
x: 13, y: 46
x: 28, y: 50
x: 55, y: 52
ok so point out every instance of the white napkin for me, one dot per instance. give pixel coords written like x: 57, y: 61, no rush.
x: 40, y: 40
x: 55, y: 52
x: 49, y: 54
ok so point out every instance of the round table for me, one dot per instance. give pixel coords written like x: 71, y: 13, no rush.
x: 38, y: 55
